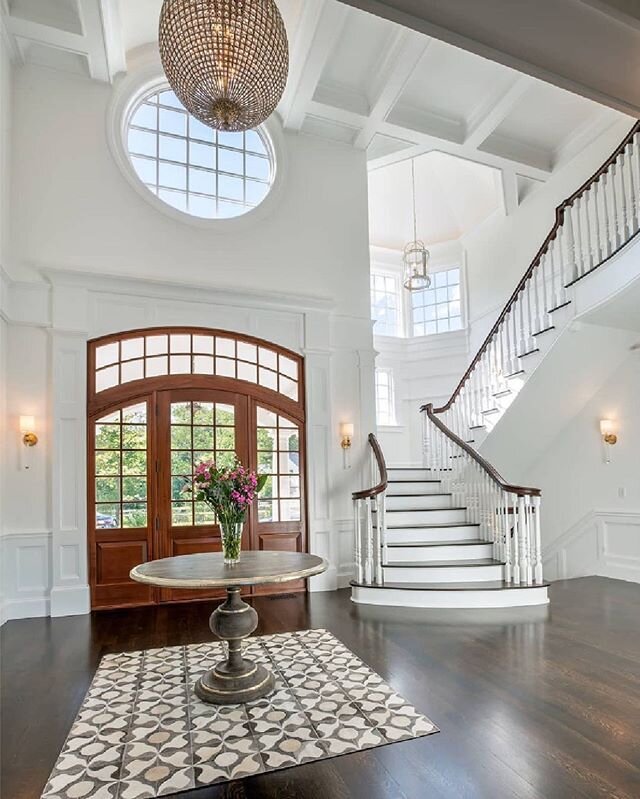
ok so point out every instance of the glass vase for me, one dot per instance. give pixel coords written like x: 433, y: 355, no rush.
x: 231, y: 541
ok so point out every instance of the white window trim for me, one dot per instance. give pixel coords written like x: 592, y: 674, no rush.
x: 124, y: 100
x: 402, y: 309
x: 408, y: 308
x: 394, y: 411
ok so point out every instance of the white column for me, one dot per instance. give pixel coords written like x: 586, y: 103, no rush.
x: 69, y: 552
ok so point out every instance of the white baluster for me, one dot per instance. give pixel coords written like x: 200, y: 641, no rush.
x: 514, y: 510
x: 587, y: 200
x: 525, y: 557
x: 368, y: 567
x: 357, y: 542
x: 579, y: 249
x: 598, y: 223
x: 506, y: 531
x: 537, y: 573
x: 380, y: 542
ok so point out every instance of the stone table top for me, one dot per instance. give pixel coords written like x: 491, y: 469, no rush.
x: 208, y: 569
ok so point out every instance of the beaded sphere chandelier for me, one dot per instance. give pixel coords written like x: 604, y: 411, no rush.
x: 415, y: 258
x: 226, y: 60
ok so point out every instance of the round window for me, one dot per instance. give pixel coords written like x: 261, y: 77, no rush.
x: 202, y: 172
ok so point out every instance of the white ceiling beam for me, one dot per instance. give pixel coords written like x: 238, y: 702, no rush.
x: 510, y: 199
x: 487, y: 119
x: 320, y: 29
x: 111, y: 23
x: 391, y: 78
x: 45, y: 34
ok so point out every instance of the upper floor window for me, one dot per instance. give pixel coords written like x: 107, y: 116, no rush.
x: 385, y: 398
x: 193, y: 168
x: 437, y: 309
x: 385, y: 304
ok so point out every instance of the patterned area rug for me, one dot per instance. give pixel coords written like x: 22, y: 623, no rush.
x: 141, y: 731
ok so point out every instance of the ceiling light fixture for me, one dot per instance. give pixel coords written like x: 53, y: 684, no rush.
x: 226, y: 60
x: 415, y: 256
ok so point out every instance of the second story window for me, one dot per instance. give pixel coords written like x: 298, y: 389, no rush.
x: 385, y: 398
x: 437, y: 309
x: 385, y: 304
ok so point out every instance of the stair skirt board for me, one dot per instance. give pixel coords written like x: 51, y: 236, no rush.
x: 436, y: 598
x: 426, y: 534
x: 426, y: 573
x: 463, y: 551
x: 411, y: 518
x: 419, y: 502
x: 417, y: 487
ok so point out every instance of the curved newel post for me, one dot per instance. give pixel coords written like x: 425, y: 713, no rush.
x: 370, y: 540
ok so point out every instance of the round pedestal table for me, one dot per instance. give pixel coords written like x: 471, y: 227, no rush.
x: 236, y: 679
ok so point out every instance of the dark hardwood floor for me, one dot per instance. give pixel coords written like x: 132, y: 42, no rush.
x: 548, y: 707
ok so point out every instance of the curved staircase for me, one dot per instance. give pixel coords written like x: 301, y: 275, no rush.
x: 455, y: 534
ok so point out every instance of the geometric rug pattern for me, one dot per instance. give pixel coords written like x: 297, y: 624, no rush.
x: 142, y: 732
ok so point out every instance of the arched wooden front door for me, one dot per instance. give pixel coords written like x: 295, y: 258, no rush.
x: 160, y: 401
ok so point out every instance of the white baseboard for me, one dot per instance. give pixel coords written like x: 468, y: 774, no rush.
x: 29, y: 608
x: 70, y: 600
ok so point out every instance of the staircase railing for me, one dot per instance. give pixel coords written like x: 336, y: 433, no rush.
x: 590, y: 226
x: 370, y: 541
x: 508, y: 515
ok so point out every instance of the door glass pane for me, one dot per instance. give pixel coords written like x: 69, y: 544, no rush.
x: 278, y: 445
x: 121, y: 482
x: 200, y: 431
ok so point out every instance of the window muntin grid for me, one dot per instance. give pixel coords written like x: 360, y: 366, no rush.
x: 121, y: 482
x: 438, y: 309
x: 200, y: 431
x: 162, y: 353
x: 278, y: 451
x: 385, y: 304
x: 202, y: 172
x: 385, y: 398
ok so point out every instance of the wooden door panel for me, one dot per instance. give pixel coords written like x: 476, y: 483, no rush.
x: 115, y: 559
x: 281, y: 542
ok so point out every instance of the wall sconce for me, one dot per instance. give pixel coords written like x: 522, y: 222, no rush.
x: 346, y: 435
x: 29, y: 439
x: 27, y: 425
x: 609, y: 435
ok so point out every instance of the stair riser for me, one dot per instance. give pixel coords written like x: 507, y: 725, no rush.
x: 406, y: 518
x: 413, y: 488
x: 442, y: 574
x: 425, y: 535
x: 412, y: 503
x: 444, y: 552
x: 396, y: 597
x: 408, y: 474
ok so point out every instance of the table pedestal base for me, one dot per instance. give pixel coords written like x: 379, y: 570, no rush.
x: 235, y: 679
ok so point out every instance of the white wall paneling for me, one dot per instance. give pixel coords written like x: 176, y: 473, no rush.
x: 48, y: 573
x: 606, y: 543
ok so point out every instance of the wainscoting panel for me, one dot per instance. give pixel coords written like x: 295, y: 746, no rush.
x: 603, y: 543
x: 26, y: 569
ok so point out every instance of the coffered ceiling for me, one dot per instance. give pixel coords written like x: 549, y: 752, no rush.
x: 354, y: 78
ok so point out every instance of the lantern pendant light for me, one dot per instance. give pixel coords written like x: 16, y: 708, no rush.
x: 226, y: 60
x: 415, y: 257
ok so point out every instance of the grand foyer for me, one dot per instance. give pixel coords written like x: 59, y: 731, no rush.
x: 171, y: 293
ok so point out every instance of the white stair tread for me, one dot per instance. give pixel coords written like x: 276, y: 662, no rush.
x: 411, y: 510
x: 485, y: 585
x: 412, y: 526
x: 463, y: 543
x: 455, y: 564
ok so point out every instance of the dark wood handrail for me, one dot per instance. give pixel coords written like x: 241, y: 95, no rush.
x: 367, y: 493
x: 560, y: 210
x: 521, y: 491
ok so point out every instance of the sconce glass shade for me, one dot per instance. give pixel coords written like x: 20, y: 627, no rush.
x: 415, y: 261
x: 346, y: 430
x: 607, y: 427
x: 27, y: 424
